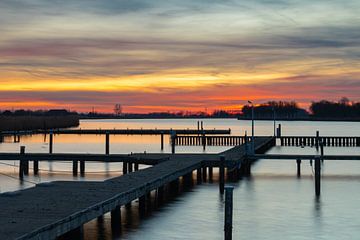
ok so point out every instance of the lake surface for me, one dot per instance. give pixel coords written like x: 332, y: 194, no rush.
x: 272, y: 204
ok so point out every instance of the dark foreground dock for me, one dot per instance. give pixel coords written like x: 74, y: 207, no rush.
x: 50, y: 210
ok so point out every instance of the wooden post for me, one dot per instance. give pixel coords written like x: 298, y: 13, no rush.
x: 107, y: 143
x: 160, y: 195
x: 21, y: 165
x: 136, y: 167
x: 322, y: 151
x: 198, y: 176
x: 204, y: 174
x: 142, y: 205
x: 36, y: 167
x: 162, y: 141
x: 203, y: 141
x: 222, y: 174
x: 130, y: 167
x: 317, y: 175
x: 298, y: 162
x: 51, y: 142
x: 279, y: 131
x: 173, y: 139
x: 317, y: 140
x: 25, y: 162
x: 210, y: 174
x: 125, y: 168
x: 75, y: 167
x: 116, y: 218
x: 82, y: 167
x: 228, y: 212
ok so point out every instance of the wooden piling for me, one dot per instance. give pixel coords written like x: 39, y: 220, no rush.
x: 36, y: 167
x: 198, y: 176
x: 317, y: 140
x: 162, y: 141
x: 21, y: 165
x: 51, y: 142
x: 173, y: 139
x: 142, y: 205
x: 82, y: 167
x: 107, y: 143
x: 228, y: 212
x: 136, y: 167
x: 160, y: 195
x: 75, y: 167
x: 222, y: 174
x: 317, y: 175
x: 204, y: 174
x: 130, y: 167
x: 210, y: 174
x: 298, y: 163
x: 116, y: 218
x: 125, y: 167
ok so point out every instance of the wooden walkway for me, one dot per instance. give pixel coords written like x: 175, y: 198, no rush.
x: 53, y: 209
x: 120, y: 131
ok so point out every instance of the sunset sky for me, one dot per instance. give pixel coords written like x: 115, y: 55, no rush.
x: 151, y: 55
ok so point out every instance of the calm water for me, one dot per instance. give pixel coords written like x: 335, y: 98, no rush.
x: 272, y: 204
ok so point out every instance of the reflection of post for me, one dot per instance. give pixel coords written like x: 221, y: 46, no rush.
x: 228, y: 212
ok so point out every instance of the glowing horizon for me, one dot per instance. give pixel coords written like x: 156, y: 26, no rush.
x: 176, y: 55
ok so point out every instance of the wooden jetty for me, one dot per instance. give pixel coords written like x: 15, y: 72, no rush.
x: 328, y: 141
x: 44, y: 212
x: 121, y: 131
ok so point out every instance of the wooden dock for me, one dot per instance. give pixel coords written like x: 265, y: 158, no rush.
x: 120, y: 131
x: 328, y: 141
x: 44, y: 212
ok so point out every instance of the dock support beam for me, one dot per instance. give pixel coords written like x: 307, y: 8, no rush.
x: 298, y: 163
x: 228, y: 212
x: 173, y: 139
x: 317, y: 140
x: 142, y: 205
x: 317, y: 175
x: 210, y: 174
x: 198, y: 176
x: 222, y: 174
x: 107, y: 143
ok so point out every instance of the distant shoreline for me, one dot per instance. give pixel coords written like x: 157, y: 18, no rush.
x: 310, y: 119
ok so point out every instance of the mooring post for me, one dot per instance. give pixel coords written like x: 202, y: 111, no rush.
x: 82, y: 167
x: 317, y: 175
x: 322, y: 151
x: 279, y: 131
x: 51, y: 142
x: 173, y: 139
x: 198, y: 126
x: 107, y: 143
x: 203, y: 140
x: 202, y: 126
x: 204, y: 174
x: 222, y: 174
x: 24, y: 161
x: 21, y: 165
x: 298, y: 163
x: 228, y: 212
x: 75, y: 167
x: 317, y: 140
x: 162, y: 141
x: 130, y: 167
